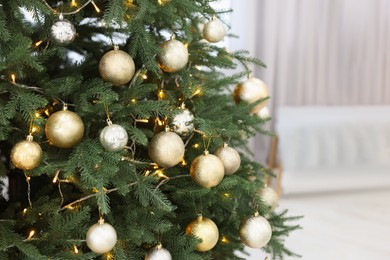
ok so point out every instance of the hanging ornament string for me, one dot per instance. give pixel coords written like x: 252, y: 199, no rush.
x: 75, y: 11
x: 107, y: 112
x: 206, y: 146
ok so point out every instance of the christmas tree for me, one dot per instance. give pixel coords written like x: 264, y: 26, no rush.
x: 122, y: 137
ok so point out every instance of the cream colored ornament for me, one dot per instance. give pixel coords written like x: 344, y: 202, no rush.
x: 101, y: 237
x: 269, y: 197
x: 26, y: 155
x: 207, y: 170
x: 173, y: 57
x: 214, y: 31
x: 206, y: 230
x: 166, y: 149
x: 117, y: 67
x: 255, y: 231
x: 113, y: 137
x: 264, y: 113
x: 64, y: 128
x: 158, y: 253
x: 230, y: 158
x: 250, y: 91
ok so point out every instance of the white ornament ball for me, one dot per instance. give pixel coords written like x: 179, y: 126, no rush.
x: 173, y: 57
x: 255, y: 232
x: 113, y: 137
x: 269, y: 197
x: 230, y: 159
x: 207, y: 170
x: 182, y: 123
x: 166, y: 149
x: 158, y: 253
x: 250, y: 91
x: 62, y: 31
x: 264, y: 113
x: 116, y: 67
x: 214, y: 31
x: 101, y: 238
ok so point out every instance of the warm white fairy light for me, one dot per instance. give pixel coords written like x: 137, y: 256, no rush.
x: 31, y: 234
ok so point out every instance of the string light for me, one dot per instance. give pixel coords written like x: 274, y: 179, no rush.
x: 142, y: 120
x: 34, y: 129
x: 160, y: 122
x: 32, y: 233
x: 195, y: 145
x: 73, y: 3
x: 227, y: 195
x: 145, y: 76
x: 161, y: 94
x: 38, y: 43
x: 163, y: 2
x: 37, y: 114
x: 75, y: 249
x: 197, y: 92
x: 95, y: 6
x: 24, y: 211
x: 198, y: 67
x: 13, y: 78
x: 161, y: 174
x: 184, y: 162
x: 133, y: 100
x: 56, y: 177
x: 224, y: 239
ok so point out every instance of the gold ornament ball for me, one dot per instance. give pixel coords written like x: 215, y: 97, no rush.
x: 158, y: 253
x: 230, y: 159
x: 207, y: 170
x: 64, y: 129
x: 101, y: 237
x: 173, y: 57
x: 255, y: 231
x: 26, y: 155
x: 206, y: 230
x: 214, y: 31
x: 117, y: 67
x: 250, y: 91
x: 166, y: 149
x: 269, y: 197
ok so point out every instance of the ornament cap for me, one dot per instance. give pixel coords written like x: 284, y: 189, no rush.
x: 200, y: 217
x: 256, y: 214
x: 101, y: 221
x: 30, y: 137
x: 116, y: 47
x: 183, y: 106
x: 206, y: 152
x: 61, y: 17
x: 167, y: 128
x: 65, y: 107
x: 159, y: 245
x: 173, y: 37
x: 225, y: 145
x: 214, y: 18
x: 109, y: 122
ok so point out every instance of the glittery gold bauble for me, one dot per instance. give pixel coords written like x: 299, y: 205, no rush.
x: 255, y: 231
x: 26, y: 155
x: 166, y: 149
x: 173, y: 57
x: 116, y: 67
x: 64, y: 129
x: 251, y: 91
x: 101, y: 237
x: 269, y: 197
x: 207, y: 170
x: 206, y: 230
x: 214, y: 31
x: 158, y: 253
x: 230, y: 159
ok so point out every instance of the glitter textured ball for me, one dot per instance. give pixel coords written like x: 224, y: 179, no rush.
x: 182, y: 123
x: 206, y: 230
x: 250, y: 91
x: 269, y: 197
x: 166, y: 149
x: 158, y: 253
x: 26, y: 155
x: 173, y: 57
x: 113, y: 137
x: 101, y: 237
x: 230, y: 159
x: 116, y: 67
x: 255, y: 231
x: 62, y: 31
x: 207, y: 170
x: 64, y: 128
x: 214, y: 31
